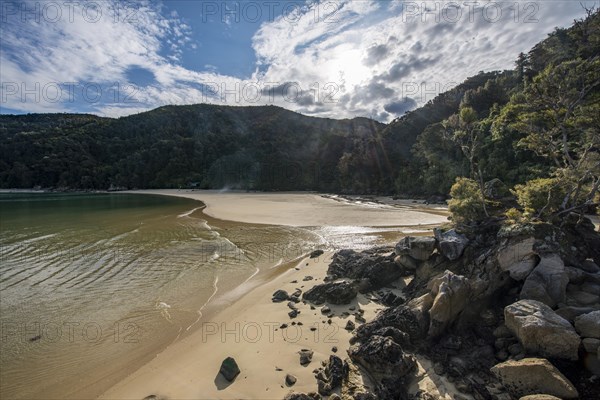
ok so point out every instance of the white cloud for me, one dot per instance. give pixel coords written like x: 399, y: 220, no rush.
x: 349, y: 57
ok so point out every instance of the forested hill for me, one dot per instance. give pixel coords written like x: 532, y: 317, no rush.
x: 209, y: 146
x: 537, y: 120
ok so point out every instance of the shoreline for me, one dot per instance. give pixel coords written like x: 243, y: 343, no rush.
x: 185, y: 370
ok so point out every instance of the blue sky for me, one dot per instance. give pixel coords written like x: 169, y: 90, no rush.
x: 339, y: 58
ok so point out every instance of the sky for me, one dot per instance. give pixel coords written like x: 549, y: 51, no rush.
x: 336, y: 59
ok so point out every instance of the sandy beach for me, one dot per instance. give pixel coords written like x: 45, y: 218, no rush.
x: 247, y: 325
x: 307, y: 209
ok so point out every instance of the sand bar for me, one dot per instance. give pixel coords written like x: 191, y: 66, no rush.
x: 305, y: 209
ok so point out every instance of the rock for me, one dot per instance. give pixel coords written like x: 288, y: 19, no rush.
x: 547, y: 282
x: 334, y: 349
x: 541, y: 331
x: 382, y: 357
x: 342, y: 292
x: 532, y: 376
x: 331, y: 376
x: 570, y: 313
x: 291, y: 305
x: 229, y: 369
x: 325, y: 310
x: 539, y: 397
x: 316, y: 253
x: 450, y: 244
x: 391, y: 300
x: 302, y: 396
x: 515, y: 349
x: 581, y: 298
x: 307, y: 278
x: 451, y: 296
x: 406, y: 261
x: 419, y: 248
x: 372, y: 270
x: 591, y: 345
x: 306, y: 356
x: 502, y: 331
x: 350, y: 326
x: 279, y: 296
x: 294, y: 313
x: 588, y: 325
x: 411, y: 320
x: 518, y: 258
x: 283, y: 326
x: 290, y: 380
x: 591, y: 288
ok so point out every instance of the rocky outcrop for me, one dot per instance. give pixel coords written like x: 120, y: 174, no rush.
x: 341, y: 292
x: 518, y: 258
x: 547, y: 282
x: 385, y: 361
x: 370, y: 270
x: 533, y: 376
x: 450, y: 244
x: 451, y: 295
x: 229, y: 369
x: 419, y: 248
x: 541, y: 331
x: 588, y: 325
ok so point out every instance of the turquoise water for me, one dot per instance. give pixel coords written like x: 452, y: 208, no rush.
x: 91, y: 284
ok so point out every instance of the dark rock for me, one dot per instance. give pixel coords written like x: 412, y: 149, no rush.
x: 302, y: 396
x: 290, y: 380
x: 306, y: 356
x: 341, y: 292
x: 308, y: 278
x: 325, y: 310
x: 419, y: 248
x: 331, y: 376
x: 404, y: 318
x: 316, y: 253
x: 588, y: 325
x: 293, y: 313
x: 283, y: 326
x: 450, y: 244
x: 229, y: 369
x: 279, y: 296
x: 350, y: 326
x: 372, y: 270
x: 382, y: 357
x: 334, y: 349
x: 391, y: 300
x: 406, y: 262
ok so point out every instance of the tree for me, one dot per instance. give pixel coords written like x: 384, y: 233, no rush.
x: 463, y: 128
x: 559, y: 117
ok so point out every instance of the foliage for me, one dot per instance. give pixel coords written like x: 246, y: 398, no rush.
x: 540, y: 197
x: 466, y: 203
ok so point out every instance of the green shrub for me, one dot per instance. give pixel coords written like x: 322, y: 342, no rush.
x: 540, y: 197
x: 466, y: 202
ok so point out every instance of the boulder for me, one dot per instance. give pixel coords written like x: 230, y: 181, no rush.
x: 591, y: 345
x: 407, y: 262
x: 531, y: 376
x: 372, y: 269
x: 331, y: 376
x: 306, y: 356
x: 450, y: 244
x: 290, y: 380
x: 451, y: 295
x: 229, y: 369
x: 539, y: 397
x: 302, y: 396
x: 541, y: 331
x: 342, y: 292
x: 316, y: 253
x: 517, y: 258
x: 588, y: 325
x: 280, y: 296
x: 547, y: 282
x: 570, y: 313
x: 382, y: 358
x: 419, y: 248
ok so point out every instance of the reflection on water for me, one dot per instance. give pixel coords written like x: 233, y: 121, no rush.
x: 93, y: 284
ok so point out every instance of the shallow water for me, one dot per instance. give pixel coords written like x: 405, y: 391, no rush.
x: 92, y: 285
